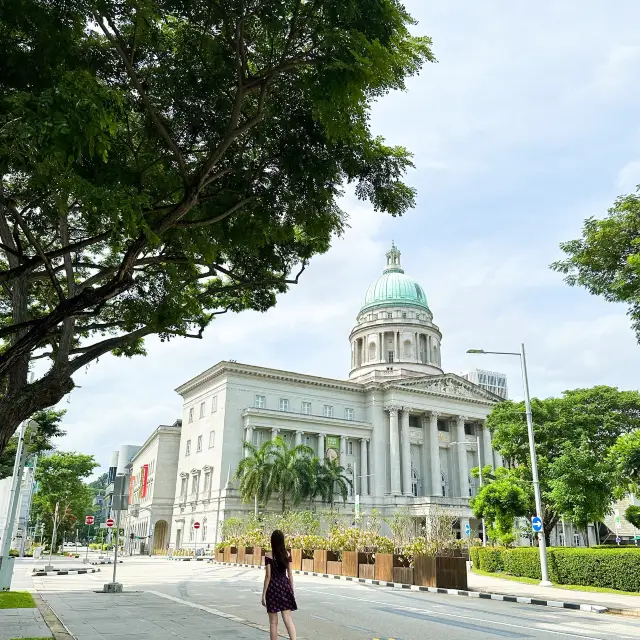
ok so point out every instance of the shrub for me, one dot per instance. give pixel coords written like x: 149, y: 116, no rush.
x: 489, y: 558
x: 522, y: 562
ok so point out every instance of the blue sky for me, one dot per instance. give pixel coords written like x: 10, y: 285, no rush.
x: 527, y: 125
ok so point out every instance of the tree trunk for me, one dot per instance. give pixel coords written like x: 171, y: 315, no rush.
x: 284, y: 500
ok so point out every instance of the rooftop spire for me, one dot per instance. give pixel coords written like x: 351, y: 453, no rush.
x: 393, y: 260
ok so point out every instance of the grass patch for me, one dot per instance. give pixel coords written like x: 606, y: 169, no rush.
x: 569, y: 587
x: 16, y: 600
x: 49, y: 638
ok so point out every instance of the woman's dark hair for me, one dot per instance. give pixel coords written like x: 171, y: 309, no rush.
x: 278, y: 551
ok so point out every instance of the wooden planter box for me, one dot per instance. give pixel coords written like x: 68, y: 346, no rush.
x: 258, y: 556
x: 320, y: 559
x: 385, y: 563
x: 220, y: 556
x: 233, y: 558
x: 307, y: 564
x: 440, y: 571
x: 334, y: 567
x: 296, y: 559
x: 403, y: 575
x: 367, y: 571
x: 350, y: 562
x: 248, y: 558
x: 227, y: 554
x: 240, y: 556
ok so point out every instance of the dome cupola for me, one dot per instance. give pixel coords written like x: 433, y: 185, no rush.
x: 394, y: 336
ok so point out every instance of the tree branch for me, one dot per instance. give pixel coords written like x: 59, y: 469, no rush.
x: 193, y: 224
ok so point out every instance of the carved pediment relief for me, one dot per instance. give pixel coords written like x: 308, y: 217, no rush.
x: 450, y: 385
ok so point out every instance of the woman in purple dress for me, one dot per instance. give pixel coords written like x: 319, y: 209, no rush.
x: 277, y: 593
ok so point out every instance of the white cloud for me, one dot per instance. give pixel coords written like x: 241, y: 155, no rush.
x: 514, y: 146
x: 629, y: 177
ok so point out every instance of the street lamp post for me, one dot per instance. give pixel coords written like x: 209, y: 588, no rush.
x: 542, y: 543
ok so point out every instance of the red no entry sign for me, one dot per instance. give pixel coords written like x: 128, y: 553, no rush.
x: 109, y: 523
x: 196, y: 525
x: 89, y: 519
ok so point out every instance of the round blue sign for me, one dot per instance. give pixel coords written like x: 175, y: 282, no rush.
x: 536, y: 524
x: 467, y: 529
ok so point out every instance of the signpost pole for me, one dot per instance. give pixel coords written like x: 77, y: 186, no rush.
x: 115, y: 548
x: 86, y: 557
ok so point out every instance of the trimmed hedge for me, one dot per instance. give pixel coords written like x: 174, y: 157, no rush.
x: 605, y: 568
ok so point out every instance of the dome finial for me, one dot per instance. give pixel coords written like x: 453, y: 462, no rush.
x: 393, y: 259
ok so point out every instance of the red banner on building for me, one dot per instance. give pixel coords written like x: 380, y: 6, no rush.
x: 132, y: 480
x: 145, y: 478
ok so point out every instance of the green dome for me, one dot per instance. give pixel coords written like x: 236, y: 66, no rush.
x: 394, y: 288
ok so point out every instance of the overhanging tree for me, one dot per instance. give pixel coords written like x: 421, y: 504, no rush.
x: 165, y: 162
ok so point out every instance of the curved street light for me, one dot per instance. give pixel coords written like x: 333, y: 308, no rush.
x: 532, y: 452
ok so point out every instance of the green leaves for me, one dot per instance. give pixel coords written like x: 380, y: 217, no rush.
x: 177, y: 161
x: 606, y: 260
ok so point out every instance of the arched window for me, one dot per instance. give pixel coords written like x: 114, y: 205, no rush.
x: 443, y: 484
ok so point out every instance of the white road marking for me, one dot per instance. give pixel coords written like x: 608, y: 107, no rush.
x: 455, y: 615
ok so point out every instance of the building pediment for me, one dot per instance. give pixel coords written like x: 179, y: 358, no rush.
x: 449, y: 385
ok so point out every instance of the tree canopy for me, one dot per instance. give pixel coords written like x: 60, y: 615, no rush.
x: 60, y: 478
x: 606, y: 260
x: 162, y: 163
x: 41, y: 441
x: 574, y: 437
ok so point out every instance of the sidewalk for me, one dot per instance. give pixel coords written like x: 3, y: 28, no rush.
x: 22, y: 623
x: 613, y: 602
x: 141, y: 615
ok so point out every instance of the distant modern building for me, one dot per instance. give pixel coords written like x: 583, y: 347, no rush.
x: 405, y: 430
x: 492, y: 381
x: 152, y: 490
x: 118, y: 465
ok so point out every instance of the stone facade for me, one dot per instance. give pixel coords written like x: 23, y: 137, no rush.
x: 152, y: 491
x: 407, y: 433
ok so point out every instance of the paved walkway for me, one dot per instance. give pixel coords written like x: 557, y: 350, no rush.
x: 22, y: 623
x: 510, y: 587
x: 141, y: 616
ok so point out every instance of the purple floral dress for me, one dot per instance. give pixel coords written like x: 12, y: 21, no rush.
x: 279, y: 595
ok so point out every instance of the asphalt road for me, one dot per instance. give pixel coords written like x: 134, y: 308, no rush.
x: 337, y: 610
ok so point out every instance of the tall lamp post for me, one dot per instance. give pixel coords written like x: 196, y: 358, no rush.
x: 532, y: 451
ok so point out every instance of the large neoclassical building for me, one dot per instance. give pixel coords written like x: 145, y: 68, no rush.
x: 407, y: 433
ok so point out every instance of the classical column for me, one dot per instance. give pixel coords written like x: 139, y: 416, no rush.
x: 298, y: 438
x: 398, y: 352
x: 406, y: 453
x: 380, y: 347
x: 321, y: 449
x: 487, y: 450
x: 274, y: 433
x: 343, y: 450
x: 417, y: 346
x: 394, y: 451
x: 364, y: 467
x: 248, y: 438
x: 424, y: 455
x: 365, y: 353
x: 434, y: 445
x: 463, y: 466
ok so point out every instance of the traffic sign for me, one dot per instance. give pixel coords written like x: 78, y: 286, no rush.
x: 196, y: 525
x: 618, y: 540
x: 110, y: 523
x: 536, y: 524
x: 467, y: 529
x: 89, y: 519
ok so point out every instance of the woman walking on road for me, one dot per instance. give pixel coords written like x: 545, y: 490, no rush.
x: 277, y: 593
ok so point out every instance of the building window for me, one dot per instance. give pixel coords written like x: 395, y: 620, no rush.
x: 576, y: 539
x: 443, y: 484
x: 202, y: 407
x: 306, y: 408
x: 261, y: 402
x: 328, y: 411
x: 404, y: 314
x: 192, y: 532
x: 389, y: 356
x: 212, y: 439
x: 194, y: 484
x: 191, y: 415
x: 348, y: 414
x: 199, y: 444
x: 284, y: 404
x: 207, y: 482
x: 204, y: 529
x: 350, y: 448
x: 443, y: 426
x: 183, y: 488
x: 188, y: 451
x: 214, y: 404
x: 307, y: 440
x: 389, y: 315
x: 468, y: 429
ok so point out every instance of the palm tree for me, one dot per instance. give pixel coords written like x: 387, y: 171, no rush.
x: 254, y: 472
x: 289, y: 467
x: 333, y: 482
x: 312, y: 479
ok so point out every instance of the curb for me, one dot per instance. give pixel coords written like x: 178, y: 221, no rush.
x: 56, y: 626
x: 94, y: 562
x: 65, y: 572
x: 590, y: 608
x: 186, y: 558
